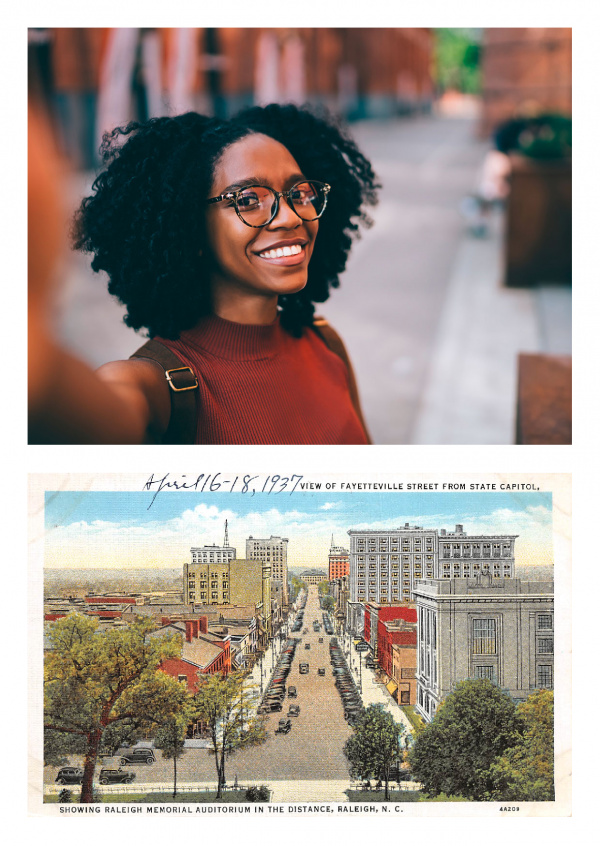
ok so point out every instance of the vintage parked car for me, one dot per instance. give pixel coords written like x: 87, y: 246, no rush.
x: 303, y: 668
x: 292, y: 691
x: 320, y: 640
x: 293, y: 711
x: 307, y: 645
x: 69, y: 775
x: 117, y: 776
x: 284, y: 726
x: 321, y: 671
x: 137, y: 755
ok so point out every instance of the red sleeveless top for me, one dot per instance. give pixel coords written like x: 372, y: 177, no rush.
x: 260, y: 385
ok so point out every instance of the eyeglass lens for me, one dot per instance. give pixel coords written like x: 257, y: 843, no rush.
x: 257, y: 203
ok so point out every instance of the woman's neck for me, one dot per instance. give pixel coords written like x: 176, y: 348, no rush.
x: 259, y: 311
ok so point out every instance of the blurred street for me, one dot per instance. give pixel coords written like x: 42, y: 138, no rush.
x: 432, y: 333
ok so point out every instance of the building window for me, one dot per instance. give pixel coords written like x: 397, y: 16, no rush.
x: 408, y: 673
x: 182, y: 678
x: 544, y: 621
x: 544, y: 676
x: 485, y: 671
x: 484, y: 636
x: 546, y: 645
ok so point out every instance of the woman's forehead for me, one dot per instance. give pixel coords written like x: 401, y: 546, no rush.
x: 255, y: 155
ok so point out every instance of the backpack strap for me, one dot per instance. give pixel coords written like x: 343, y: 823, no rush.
x: 182, y: 381
x: 336, y: 345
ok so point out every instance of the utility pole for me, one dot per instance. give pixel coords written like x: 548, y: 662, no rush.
x: 360, y: 671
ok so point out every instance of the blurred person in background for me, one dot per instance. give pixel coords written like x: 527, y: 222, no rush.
x: 219, y: 237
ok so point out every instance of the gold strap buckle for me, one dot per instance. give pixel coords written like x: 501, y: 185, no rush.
x: 177, y: 370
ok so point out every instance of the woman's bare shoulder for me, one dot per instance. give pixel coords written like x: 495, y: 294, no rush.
x: 142, y: 382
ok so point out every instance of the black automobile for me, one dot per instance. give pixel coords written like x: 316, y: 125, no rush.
x: 303, y: 668
x: 117, y: 776
x: 284, y: 726
x: 137, y: 755
x: 321, y: 671
x: 307, y: 645
x: 69, y: 775
x: 292, y: 691
x: 293, y: 710
x: 270, y: 705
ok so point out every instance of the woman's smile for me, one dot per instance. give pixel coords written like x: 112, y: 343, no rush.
x: 285, y: 253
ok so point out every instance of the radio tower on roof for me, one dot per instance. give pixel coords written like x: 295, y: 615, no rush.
x: 226, y: 541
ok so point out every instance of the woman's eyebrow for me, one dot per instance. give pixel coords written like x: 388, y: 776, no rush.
x: 260, y: 180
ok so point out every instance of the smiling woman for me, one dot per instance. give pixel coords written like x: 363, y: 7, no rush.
x: 219, y: 237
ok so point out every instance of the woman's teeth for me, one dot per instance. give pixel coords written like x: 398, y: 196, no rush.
x: 282, y: 251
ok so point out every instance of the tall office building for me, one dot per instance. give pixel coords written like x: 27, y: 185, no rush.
x: 274, y: 552
x: 339, y: 561
x: 213, y: 554
x: 385, y: 564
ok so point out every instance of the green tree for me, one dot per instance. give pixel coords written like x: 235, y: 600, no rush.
x: 296, y: 586
x: 327, y: 603
x: 323, y: 588
x: 95, y: 682
x: 170, y: 736
x: 525, y: 773
x: 221, y: 703
x: 374, y: 747
x: 474, y: 725
x: 457, y: 56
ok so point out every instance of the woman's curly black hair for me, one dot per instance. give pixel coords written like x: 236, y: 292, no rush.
x: 145, y: 221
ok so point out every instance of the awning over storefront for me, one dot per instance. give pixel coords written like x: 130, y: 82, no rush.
x: 392, y: 687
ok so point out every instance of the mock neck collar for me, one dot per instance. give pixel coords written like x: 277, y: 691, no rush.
x: 235, y: 341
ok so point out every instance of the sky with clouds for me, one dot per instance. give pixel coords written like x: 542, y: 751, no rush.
x: 123, y: 529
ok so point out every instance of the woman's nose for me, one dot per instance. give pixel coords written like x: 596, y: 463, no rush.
x: 285, y: 216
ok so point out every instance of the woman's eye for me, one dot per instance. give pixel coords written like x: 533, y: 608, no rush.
x: 248, y: 201
x: 302, y: 196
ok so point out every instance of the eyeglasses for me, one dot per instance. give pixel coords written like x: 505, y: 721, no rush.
x: 257, y: 205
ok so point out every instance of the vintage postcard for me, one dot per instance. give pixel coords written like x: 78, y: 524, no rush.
x: 333, y: 644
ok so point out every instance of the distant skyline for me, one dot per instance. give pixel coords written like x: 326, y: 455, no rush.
x: 117, y: 529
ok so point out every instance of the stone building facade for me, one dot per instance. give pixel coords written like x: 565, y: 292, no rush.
x: 271, y: 551
x: 498, y: 629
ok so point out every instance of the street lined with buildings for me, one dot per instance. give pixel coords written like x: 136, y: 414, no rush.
x: 414, y: 610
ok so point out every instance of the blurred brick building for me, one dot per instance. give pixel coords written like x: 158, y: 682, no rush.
x: 95, y: 79
x: 524, y: 71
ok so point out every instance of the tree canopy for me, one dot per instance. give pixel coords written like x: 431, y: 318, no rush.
x: 374, y: 747
x: 104, y: 687
x: 473, y: 726
x: 525, y: 772
x: 223, y: 704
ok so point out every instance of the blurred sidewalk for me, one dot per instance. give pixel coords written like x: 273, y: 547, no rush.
x: 432, y: 333
x: 470, y: 392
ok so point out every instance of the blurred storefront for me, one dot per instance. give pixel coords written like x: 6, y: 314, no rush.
x: 96, y: 79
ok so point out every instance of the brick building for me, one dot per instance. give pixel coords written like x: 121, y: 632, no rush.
x: 377, y: 616
x: 339, y: 561
x: 202, y: 652
x: 524, y: 70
